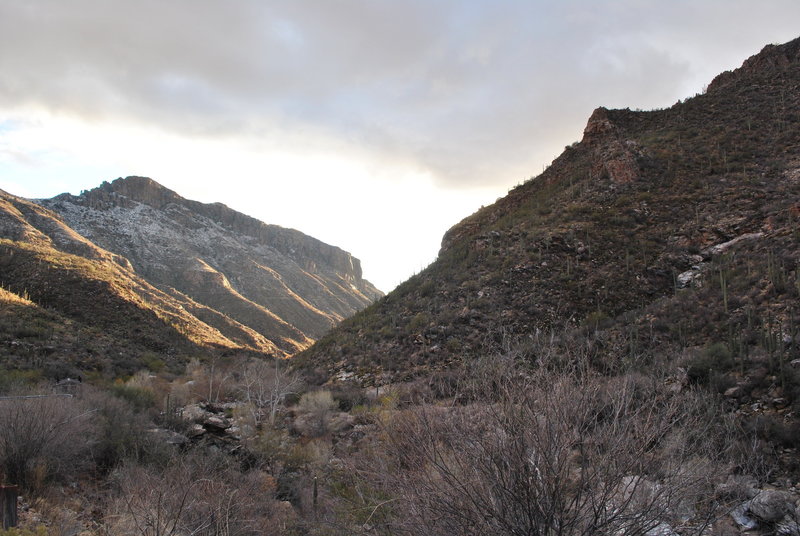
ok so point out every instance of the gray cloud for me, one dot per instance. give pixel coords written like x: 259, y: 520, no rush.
x: 477, y: 92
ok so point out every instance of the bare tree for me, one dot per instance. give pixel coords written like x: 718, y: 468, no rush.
x: 210, y: 380
x: 265, y: 387
x: 150, y: 504
x: 192, y: 496
x: 546, y: 455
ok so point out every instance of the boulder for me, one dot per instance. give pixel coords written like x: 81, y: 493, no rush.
x: 195, y: 413
x: 216, y: 424
x: 737, y: 391
x: 742, y: 518
x: 771, y: 506
x: 789, y: 526
x: 195, y: 430
x: 662, y: 529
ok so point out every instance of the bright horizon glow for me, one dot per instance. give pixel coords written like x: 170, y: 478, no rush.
x: 374, y: 127
x: 346, y: 193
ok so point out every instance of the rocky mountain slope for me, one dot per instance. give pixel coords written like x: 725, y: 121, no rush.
x: 68, y: 302
x: 659, y: 233
x: 131, y: 274
x: 286, y: 286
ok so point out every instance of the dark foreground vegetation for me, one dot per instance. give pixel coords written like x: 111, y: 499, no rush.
x: 531, y: 440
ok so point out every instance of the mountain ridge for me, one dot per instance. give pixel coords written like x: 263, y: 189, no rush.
x: 285, y: 285
x: 604, y: 232
x: 158, y: 274
x: 117, y: 315
x: 288, y: 241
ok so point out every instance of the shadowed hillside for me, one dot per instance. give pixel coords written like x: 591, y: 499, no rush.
x: 672, y: 228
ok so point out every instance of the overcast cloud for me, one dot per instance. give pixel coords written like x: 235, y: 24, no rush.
x: 468, y: 96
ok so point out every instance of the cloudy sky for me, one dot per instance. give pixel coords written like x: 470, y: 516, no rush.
x: 373, y: 125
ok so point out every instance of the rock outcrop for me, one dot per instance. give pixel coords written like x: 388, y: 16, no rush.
x: 613, y: 156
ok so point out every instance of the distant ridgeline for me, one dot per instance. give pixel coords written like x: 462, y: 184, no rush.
x: 131, y: 268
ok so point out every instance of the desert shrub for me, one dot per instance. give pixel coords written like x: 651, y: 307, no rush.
x: 180, y: 393
x: 548, y: 454
x: 427, y: 288
x: 274, y: 451
x: 119, y: 432
x: 30, y: 331
x: 444, y: 384
x: 153, y: 361
x: 775, y: 429
x: 716, y: 357
x: 348, y: 395
x: 790, y: 378
x: 286, y: 459
x: 453, y: 344
x: 43, y: 439
x: 597, y: 320
x: 15, y: 380
x: 350, y: 501
x: 191, y: 495
x: 140, y: 398
x: 57, y: 370
x: 751, y: 455
x: 315, y: 401
x: 41, y: 530
x: 419, y: 321
x: 719, y: 382
x: 315, y: 410
x: 412, y: 393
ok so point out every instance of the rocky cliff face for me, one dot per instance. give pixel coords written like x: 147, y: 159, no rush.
x: 286, y: 286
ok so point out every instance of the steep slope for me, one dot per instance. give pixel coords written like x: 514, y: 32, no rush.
x: 288, y: 287
x: 673, y: 227
x: 89, y: 303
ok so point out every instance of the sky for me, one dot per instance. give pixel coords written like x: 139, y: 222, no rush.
x: 373, y: 125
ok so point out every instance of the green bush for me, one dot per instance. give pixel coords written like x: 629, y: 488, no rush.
x: 419, y: 321
x: 30, y: 332
x: 119, y: 432
x: 348, y: 395
x: 716, y: 357
x: 41, y: 530
x: 14, y: 379
x: 153, y: 362
x: 139, y: 397
x: 427, y: 288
